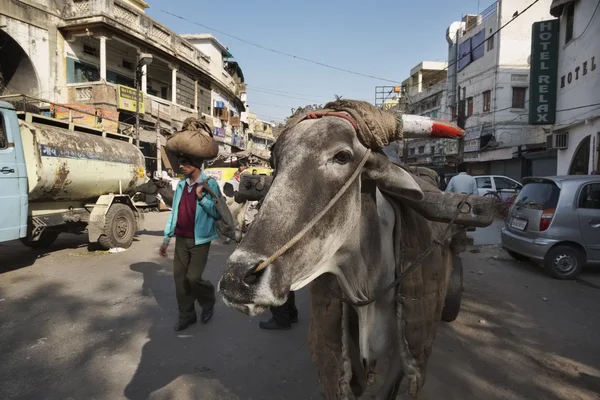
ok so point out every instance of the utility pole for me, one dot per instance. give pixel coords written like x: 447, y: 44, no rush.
x: 144, y: 59
x: 461, y: 121
x: 461, y: 114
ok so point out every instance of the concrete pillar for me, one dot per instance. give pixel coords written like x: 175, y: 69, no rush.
x: 144, y: 78
x: 420, y: 82
x: 196, y: 95
x: 103, y: 58
x: 174, y: 85
x: 158, y: 153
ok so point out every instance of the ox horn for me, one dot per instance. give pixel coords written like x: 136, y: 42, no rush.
x: 415, y: 126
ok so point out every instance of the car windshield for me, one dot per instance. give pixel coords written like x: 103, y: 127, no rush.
x: 539, y: 195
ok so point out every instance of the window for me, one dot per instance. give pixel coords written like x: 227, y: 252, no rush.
x: 505, y: 184
x: 412, y: 151
x: 3, y: 136
x: 421, y: 149
x: 85, y: 73
x: 570, y: 16
x: 90, y: 50
x: 469, y: 106
x: 490, y: 43
x: 581, y: 159
x: 518, y: 98
x: 484, y: 183
x: 128, y: 65
x: 217, y: 112
x: 453, y: 110
x: 432, y: 149
x: 538, y: 195
x: 487, y: 100
x: 590, y: 196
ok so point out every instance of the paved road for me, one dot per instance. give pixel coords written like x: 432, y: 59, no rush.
x: 91, y: 325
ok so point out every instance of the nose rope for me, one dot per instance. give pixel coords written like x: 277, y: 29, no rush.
x: 318, y: 217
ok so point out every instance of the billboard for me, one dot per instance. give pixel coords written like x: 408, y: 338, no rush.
x: 543, y: 78
x: 126, y: 98
x: 87, y: 115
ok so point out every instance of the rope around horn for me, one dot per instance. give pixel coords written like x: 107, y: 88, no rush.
x: 317, y: 218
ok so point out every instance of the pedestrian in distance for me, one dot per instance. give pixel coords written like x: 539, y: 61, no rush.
x: 193, y: 224
x: 462, y: 183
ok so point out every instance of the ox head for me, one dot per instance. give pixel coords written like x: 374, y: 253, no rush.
x: 313, y: 159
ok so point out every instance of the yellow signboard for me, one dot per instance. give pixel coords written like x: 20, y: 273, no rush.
x: 87, y: 115
x: 126, y: 98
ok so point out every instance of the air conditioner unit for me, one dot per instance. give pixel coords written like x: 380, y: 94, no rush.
x: 557, y: 141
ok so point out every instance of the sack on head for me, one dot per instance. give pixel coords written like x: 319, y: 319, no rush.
x: 194, y: 141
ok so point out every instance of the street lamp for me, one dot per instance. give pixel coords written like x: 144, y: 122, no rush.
x: 143, y: 60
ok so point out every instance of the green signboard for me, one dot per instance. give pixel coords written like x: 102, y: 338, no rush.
x: 543, y: 78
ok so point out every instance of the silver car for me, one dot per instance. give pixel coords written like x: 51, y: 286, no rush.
x: 556, y: 221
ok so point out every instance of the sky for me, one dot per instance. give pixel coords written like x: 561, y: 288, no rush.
x: 382, y: 38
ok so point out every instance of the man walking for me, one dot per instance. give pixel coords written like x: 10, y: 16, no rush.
x: 192, y: 222
x: 462, y: 183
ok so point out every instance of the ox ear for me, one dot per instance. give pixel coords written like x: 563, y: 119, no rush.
x: 391, y: 179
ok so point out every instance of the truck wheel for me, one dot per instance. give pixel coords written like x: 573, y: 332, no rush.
x: 454, y: 292
x: 119, y: 228
x: 46, y: 239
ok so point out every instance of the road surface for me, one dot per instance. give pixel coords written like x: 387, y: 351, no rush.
x: 91, y: 325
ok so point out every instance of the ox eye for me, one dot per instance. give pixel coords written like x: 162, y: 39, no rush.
x: 343, y: 157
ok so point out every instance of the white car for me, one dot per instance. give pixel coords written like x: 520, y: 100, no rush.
x: 503, y: 185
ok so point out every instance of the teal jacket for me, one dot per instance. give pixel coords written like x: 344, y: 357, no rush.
x: 205, y: 230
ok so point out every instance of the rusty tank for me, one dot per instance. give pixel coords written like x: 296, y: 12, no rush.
x: 71, y: 166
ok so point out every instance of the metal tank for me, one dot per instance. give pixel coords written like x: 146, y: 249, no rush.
x: 66, y: 165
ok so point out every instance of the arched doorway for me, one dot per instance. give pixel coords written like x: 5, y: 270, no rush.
x: 580, y: 164
x: 17, y: 73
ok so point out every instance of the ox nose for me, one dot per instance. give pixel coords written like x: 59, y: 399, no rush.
x: 240, y: 279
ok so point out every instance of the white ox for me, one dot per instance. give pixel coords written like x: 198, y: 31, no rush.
x: 355, y: 250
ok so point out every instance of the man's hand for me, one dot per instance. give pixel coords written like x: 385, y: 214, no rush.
x: 199, y: 191
x: 163, y: 249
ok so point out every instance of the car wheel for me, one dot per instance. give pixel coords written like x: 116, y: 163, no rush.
x: 564, y: 262
x: 454, y: 292
x: 517, y: 256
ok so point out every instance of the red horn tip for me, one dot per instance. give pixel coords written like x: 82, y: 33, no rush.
x: 443, y: 129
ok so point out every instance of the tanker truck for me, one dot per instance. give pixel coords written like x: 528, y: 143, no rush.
x: 58, y: 177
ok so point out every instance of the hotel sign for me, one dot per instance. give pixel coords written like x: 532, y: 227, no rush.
x: 543, y: 79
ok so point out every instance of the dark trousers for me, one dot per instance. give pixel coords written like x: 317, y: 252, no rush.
x: 190, y: 261
x: 286, y: 312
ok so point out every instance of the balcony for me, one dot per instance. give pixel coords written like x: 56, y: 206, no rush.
x: 83, y: 13
x: 104, y: 95
x: 437, y: 88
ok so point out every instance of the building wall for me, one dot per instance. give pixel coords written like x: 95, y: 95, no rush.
x: 503, y: 66
x: 583, y: 89
x: 515, y: 39
x: 39, y: 40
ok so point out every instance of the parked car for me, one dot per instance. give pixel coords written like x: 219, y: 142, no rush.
x: 556, y: 221
x: 503, y: 185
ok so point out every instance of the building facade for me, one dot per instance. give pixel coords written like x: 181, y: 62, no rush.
x: 425, y: 94
x: 228, y: 93
x: 84, y: 54
x: 490, y: 72
x: 261, y: 139
x: 575, y: 133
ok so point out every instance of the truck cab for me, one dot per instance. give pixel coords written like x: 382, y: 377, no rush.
x: 13, y: 177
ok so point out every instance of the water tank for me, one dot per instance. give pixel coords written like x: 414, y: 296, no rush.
x: 68, y: 165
